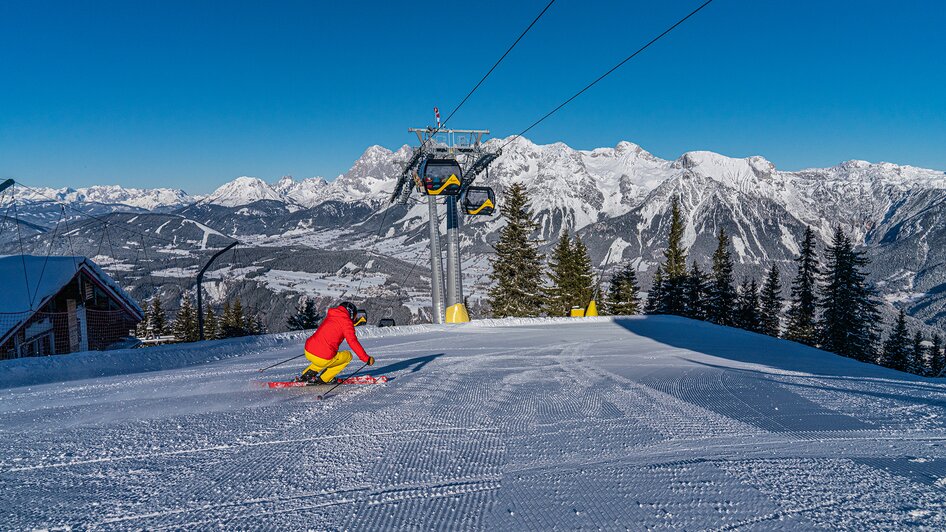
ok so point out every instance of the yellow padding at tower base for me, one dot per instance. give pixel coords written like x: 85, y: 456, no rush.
x: 457, y: 314
x: 577, y: 312
x: 592, y: 309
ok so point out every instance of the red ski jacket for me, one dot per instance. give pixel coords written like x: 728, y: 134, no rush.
x: 336, y: 326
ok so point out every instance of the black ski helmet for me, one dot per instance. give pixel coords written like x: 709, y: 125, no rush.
x: 352, y: 311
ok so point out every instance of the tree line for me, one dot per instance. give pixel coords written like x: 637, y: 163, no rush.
x: 831, y: 305
x: 230, y: 323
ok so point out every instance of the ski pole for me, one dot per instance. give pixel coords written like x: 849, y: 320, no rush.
x: 281, y: 363
x: 341, y: 380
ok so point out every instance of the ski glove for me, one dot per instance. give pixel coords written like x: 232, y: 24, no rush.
x: 371, y: 361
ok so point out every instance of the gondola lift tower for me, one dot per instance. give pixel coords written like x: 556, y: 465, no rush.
x: 436, y: 170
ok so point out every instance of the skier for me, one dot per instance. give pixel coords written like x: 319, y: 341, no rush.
x: 322, y: 347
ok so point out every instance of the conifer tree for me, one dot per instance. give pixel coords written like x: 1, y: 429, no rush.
x: 141, y: 330
x: 211, y: 327
x: 802, y: 314
x: 306, y: 317
x: 937, y: 357
x: 185, y: 324
x: 157, y: 317
x: 561, y: 275
x: 655, y: 295
x: 233, y: 323
x: 749, y: 316
x: 517, y: 270
x: 623, y: 294
x: 771, y: 305
x: 849, y: 314
x: 918, y: 354
x: 896, y: 350
x: 584, y: 275
x: 673, y: 289
x: 253, y: 325
x: 721, y: 301
x: 697, y: 289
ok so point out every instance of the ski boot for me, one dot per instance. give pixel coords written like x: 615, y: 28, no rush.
x: 309, y: 376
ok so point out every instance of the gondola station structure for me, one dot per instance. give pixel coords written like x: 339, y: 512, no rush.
x: 445, y: 165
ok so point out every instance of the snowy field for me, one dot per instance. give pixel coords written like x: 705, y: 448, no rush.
x: 646, y: 423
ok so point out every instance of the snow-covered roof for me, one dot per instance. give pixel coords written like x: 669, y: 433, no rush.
x: 44, y: 277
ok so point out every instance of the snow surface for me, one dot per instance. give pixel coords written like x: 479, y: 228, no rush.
x: 636, y: 423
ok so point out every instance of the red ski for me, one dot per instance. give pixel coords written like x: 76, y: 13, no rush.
x: 357, y: 379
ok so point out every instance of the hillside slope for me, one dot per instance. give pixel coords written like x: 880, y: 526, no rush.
x: 649, y: 422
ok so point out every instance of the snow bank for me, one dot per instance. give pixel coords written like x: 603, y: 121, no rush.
x: 59, y: 368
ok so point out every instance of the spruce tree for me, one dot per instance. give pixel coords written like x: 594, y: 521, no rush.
x: 623, y: 294
x: 584, y: 275
x: 849, y: 310
x: 517, y: 270
x: 673, y: 289
x: 749, y: 316
x: 211, y: 326
x: 771, y: 306
x: 654, y: 304
x: 721, y: 300
x: 306, y: 317
x: 225, y: 318
x: 141, y: 330
x: 233, y: 323
x: 802, y: 314
x: 697, y: 289
x: 561, y: 276
x: 158, y: 318
x: 185, y: 324
x: 896, y: 350
x: 918, y: 354
x: 937, y: 357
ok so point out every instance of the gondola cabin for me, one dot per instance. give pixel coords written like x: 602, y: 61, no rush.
x: 361, y: 317
x: 439, y: 177
x: 479, y: 201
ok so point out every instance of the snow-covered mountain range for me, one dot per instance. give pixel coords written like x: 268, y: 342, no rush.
x: 616, y: 198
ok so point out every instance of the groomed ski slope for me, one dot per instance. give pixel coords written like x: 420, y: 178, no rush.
x: 651, y: 422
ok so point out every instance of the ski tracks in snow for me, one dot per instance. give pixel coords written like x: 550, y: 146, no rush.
x: 541, y: 426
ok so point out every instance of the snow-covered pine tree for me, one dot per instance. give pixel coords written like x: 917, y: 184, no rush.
x: 697, y: 288
x: 185, y: 323
x: 158, y: 319
x: 849, y: 313
x: 721, y: 300
x: 584, y: 275
x: 937, y: 357
x: 141, y: 330
x: 623, y: 294
x: 254, y: 325
x: 802, y: 314
x: 234, y: 322
x: 918, y: 354
x: 654, y: 304
x: 211, y: 325
x: 771, y: 304
x: 896, y: 350
x: 749, y: 316
x: 561, y: 276
x: 305, y: 318
x: 673, y: 289
x: 517, y: 269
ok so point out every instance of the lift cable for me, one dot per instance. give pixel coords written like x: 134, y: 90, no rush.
x: 384, y: 215
x: 606, y: 74
x: 496, y: 64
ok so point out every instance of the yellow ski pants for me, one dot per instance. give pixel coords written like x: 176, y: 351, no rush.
x: 332, y: 367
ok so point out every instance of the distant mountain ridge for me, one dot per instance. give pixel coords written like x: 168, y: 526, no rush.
x: 617, y: 199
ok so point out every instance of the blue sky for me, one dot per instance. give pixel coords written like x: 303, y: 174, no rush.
x: 192, y: 94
